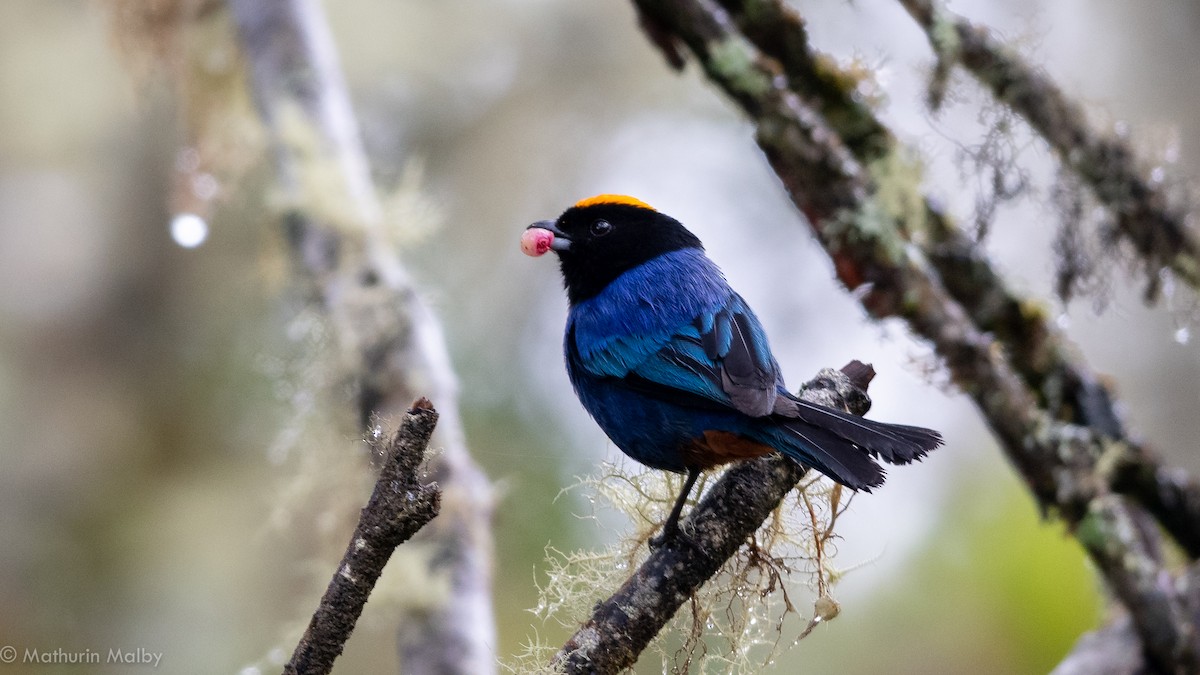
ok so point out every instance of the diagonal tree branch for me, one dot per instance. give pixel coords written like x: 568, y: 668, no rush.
x: 869, y: 221
x: 1036, y: 349
x: 728, y: 515
x: 1049, y: 365
x: 1145, y: 218
x: 399, y: 506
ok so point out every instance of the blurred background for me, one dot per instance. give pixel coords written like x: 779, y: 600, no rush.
x: 158, y: 387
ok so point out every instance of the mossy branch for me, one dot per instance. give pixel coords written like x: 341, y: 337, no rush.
x: 400, y: 505
x: 848, y: 175
x: 727, y: 516
x: 1042, y: 357
x: 1037, y: 351
x: 1145, y: 216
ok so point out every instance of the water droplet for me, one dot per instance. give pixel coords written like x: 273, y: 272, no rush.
x: 1183, y: 335
x: 189, y: 230
x: 1157, y: 174
x: 1121, y: 128
x: 1062, y: 321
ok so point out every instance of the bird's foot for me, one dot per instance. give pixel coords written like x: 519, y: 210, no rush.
x: 671, y: 535
x: 657, y: 541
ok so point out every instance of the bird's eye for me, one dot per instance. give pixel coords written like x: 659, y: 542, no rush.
x: 601, y: 228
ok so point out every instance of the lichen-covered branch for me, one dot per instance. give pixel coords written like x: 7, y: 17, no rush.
x: 1047, y: 363
x: 863, y: 234
x: 730, y: 512
x: 1044, y: 359
x: 400, y: 505
x: 1144, y: 214
x: 1158, y: 607
x: 392, y: 347
x: 1115, y: 649
x: 1036, y: 349
x: 777, y: 29
x: 1170, y: 494
x: 867, y: 210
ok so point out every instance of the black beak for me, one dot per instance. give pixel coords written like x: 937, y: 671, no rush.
x: 561, y: 241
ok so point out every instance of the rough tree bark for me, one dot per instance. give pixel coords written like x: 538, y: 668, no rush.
x: 333, y: 221
x: 400, y: 505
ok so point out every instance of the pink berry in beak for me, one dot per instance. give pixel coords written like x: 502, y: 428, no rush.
x: 535, y: 241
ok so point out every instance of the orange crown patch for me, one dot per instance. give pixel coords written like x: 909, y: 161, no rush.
x: 613, y: 199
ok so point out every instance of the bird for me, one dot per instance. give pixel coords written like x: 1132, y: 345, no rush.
x: 675, y: 367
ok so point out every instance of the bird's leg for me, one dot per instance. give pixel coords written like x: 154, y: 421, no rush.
x: 671, y: 527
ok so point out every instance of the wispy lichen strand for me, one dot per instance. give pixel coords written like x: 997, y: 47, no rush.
x: 740, y: 619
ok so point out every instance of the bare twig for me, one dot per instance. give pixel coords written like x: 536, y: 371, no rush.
x: 726, y: 517
x: 1145, y: 217
x: 872, y: 220
x: 334, y: 223
x: 400, y: 505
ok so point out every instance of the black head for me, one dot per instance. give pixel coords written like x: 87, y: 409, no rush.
x: 602, y: 237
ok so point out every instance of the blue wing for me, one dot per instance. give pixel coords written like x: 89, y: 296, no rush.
x: 720, y: 359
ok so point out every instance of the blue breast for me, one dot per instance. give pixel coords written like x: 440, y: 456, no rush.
x: 634, y: 317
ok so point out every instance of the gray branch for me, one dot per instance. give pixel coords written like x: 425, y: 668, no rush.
x: 398, y: 349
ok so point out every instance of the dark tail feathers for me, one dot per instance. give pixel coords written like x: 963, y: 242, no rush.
x: 842, y: 445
